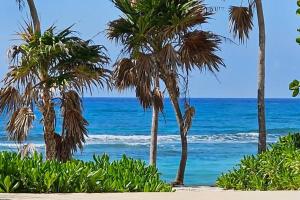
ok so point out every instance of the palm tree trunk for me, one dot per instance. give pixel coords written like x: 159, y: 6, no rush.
x: 64, y: 152
x: 34, y: 16
x: 51, y: 139
x: 49, y: 126
x: 261, y: 79
x: 184, y: 153
x: 183, y: 135
x: 154, y: 130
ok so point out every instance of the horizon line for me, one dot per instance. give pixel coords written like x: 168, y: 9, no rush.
x: 114, y: 97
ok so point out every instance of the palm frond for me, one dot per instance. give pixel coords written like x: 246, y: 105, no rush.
x: 188, y: 117
x: 169, y: 58
x: 30, y: 95
x: 183, y: 15
x: 145, y: 67
x: 19, y: 125
x: 10, y: 100
x: 158, y: 99
x: 20, y: 3
x: 144, y: 94
x: 119, y: 30
x: 124, y: 74
x: 199, y: 49
x: 241, y: 22
x: 74, y: 125
x: 28, y: 150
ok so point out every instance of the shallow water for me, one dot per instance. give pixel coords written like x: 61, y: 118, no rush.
x: 223, y: 131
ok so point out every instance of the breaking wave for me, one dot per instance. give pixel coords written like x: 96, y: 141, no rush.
x: 135, y: 140
x: 172, y: 139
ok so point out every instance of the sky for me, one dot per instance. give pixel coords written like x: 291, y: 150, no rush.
x: 237, y: 80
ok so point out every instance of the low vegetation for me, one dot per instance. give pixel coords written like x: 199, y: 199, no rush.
x: 276, y: 169
x: 33, y: 174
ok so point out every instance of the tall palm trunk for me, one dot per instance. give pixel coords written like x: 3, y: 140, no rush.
x: 261, y: 79
x: 154, y: 129
x: 34, y: 16
x: 49, y: 126
x: 174, y: 97
x: 48, y: 108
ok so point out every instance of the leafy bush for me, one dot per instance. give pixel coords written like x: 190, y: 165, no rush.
x: 33, y: 174
x: 276, y: 169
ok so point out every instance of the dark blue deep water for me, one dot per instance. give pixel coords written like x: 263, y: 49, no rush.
x: 223, y: 131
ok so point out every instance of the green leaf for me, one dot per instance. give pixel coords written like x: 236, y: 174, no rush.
x: 295, y: 92
x: 7, y: 184
x: 15, y: 187
x: 298, y: 11
x: 294, y: 85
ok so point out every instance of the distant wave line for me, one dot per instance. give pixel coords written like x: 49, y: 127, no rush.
x: 135, y: 140
x: 166, y: 139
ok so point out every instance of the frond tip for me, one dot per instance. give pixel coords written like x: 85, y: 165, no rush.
x: 10, y: 99
x: 188, y: 117
x: 240, y: 22
x: 158, y: 99
x: 19, y: 124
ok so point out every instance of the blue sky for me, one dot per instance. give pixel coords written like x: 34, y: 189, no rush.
x: 237, y: 80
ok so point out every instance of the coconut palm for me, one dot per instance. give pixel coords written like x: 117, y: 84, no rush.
x: 48, y: 70
x: 162, y: 38
x: 241, y: 19
x: 147, y: 90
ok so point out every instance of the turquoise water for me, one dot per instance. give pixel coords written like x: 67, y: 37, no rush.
x: 223, y: 131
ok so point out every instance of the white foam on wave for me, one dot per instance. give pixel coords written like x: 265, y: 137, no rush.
x: 135, y: 140
x: 172, y: 139
x: 16, y: 146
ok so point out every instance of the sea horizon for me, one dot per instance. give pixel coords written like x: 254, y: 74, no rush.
x: 208, y: 98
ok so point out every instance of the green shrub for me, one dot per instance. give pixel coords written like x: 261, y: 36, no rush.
x: 276, y: 169
x: 33, y: 174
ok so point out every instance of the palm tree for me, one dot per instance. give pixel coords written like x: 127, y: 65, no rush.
x: 154, y: 98
x: 126, y: 75
x: 49, y: 69
x: 241, y: 19
x: 161, y: 38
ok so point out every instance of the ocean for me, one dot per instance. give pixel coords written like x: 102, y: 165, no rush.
x: 223, y: 131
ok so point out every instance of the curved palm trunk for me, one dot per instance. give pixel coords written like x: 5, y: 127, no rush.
x: 154, y: 130
x: 34, y: 16
x: 261, y: 79
x: 183, y: 133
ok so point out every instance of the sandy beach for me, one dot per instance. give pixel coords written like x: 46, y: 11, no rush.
x: 203, y: 193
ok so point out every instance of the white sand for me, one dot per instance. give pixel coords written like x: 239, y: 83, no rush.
x: 198, y: 193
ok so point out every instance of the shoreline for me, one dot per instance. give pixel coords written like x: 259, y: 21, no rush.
x: 191, y: 193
